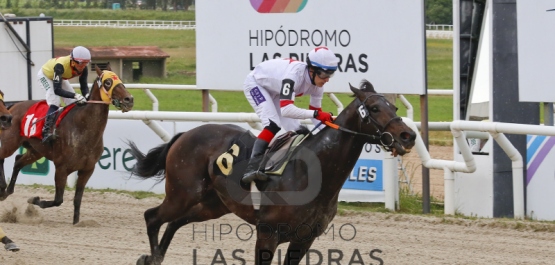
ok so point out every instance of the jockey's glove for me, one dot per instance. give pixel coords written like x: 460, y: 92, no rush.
x: 80, y: 99
x: 323, y: 116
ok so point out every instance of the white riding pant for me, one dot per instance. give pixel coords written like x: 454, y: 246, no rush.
x: 267, y: 107
x: 48, y: 85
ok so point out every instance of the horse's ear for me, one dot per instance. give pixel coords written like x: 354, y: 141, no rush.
x: 98, y: 71
x: 355, y: 90
x: 365, y: 85
x: 108, y: 67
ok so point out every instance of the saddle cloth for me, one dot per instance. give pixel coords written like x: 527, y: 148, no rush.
x: 33, y: 121
x: 234, y: 161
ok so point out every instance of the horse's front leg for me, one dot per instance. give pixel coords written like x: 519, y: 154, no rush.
x: 3, y: 184
x: 296, y: 252
x: 82, y: 179
x: 266, y: 245
x: 20, y: 162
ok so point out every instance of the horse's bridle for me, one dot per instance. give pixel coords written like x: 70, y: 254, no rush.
x: 368, y: 119
x: 108, y: 93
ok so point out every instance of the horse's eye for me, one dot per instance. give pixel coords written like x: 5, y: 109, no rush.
x: 374, y: 109
x: 108, y: 83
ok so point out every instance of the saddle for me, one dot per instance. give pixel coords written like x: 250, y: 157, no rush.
x: 280, y: 151
x: 233, y: 161
x: 34, y: 118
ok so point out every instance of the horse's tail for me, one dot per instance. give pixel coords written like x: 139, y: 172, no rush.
x: 153, y: 164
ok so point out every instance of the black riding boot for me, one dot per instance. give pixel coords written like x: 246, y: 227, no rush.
x: 253, y: 168
x: 48, y: 124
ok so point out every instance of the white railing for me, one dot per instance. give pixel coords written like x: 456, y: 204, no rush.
x: 439, y: 27
x: 152, y: 24
x: 432, y: 30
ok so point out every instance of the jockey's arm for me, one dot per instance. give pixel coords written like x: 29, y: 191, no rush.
x: 83, y: 82
x: 57, y: 80
x: 292, y: 111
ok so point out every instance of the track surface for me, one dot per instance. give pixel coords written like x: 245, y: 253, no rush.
x: 112, y: 231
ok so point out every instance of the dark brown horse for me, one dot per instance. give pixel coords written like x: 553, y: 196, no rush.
x: 5, y: 116
x: 78, y: 144
x: 304, y: 198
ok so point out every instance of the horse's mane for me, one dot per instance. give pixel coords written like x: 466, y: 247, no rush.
x: 303, y: 130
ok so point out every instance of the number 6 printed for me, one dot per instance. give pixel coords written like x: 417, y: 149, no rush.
x: 287, y: 89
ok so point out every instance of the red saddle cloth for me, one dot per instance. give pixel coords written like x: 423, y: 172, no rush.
x: 33, y: 121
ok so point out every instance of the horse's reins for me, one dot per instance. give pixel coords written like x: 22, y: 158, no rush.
x: 100, y: 88
x: 366, y: 117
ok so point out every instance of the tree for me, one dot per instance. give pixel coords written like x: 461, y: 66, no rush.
x: 439, y: 12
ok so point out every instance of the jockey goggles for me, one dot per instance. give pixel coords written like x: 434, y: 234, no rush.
x: 323, y: 74
x: 82, y: 62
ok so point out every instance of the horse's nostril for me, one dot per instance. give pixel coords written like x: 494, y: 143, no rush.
x: 128, y: 99
x: 407, y: 136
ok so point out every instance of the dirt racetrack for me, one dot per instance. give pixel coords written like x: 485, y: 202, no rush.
x: 112, y: 231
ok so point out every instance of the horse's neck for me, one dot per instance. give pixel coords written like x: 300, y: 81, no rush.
x: 95, y: 112
x: 338, y: 151
x: 95, y: 92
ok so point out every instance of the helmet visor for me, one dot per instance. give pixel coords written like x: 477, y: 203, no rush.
x: 323, y: 74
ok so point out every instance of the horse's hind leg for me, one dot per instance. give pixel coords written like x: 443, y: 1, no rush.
x: 201, y: 212
x: 178, y: 214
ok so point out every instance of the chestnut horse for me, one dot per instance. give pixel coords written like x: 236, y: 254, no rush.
x: 78, y: 143
x: 304, y: 198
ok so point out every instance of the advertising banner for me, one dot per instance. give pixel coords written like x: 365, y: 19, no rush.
x: 540, y: 177
x: 381, y: 41
x: 536, y: 58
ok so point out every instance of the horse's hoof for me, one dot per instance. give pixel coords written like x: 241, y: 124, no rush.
x: 142, y: 260
x: 34, y: 200
x: 11, y: 247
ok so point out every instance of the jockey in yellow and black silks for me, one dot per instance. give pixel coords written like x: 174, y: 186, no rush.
x: 53, y: 77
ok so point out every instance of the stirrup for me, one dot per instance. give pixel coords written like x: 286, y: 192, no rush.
x: 254, y: 175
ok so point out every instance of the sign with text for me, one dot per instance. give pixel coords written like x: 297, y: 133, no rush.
x: 536, y: 58
x: 381, y: 41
